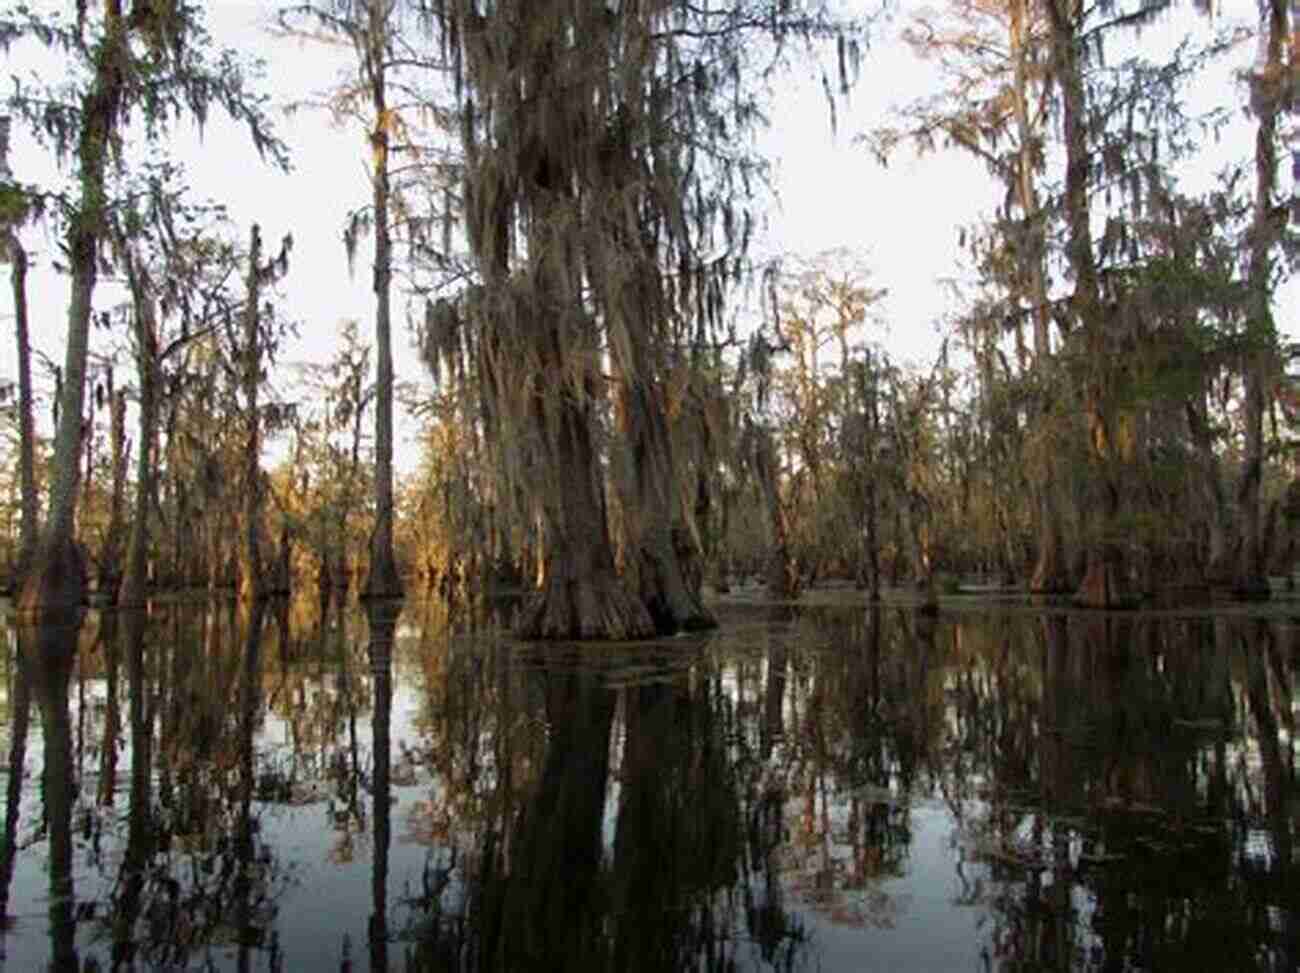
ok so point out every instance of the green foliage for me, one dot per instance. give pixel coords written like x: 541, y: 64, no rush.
x: 15, y: 204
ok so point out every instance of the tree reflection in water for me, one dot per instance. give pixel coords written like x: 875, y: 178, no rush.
x: 46, y: 654
x: 806, y: 788
x: 19, y: 719
x: 382, y: 616
x: 652, y: 860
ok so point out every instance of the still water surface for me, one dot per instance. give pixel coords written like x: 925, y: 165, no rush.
x: 823, y: 788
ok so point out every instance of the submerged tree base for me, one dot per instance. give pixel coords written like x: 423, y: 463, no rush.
x: 1050, y: 577
x: 1252, y: 589
x: 580, y: 609
x: 669, y: 621
x: 56, y: 584
x: 383, y: 581
x: 673, y: 607
x: 1102, y: 585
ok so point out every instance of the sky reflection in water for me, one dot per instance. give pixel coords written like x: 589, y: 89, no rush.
x: 814, y: 788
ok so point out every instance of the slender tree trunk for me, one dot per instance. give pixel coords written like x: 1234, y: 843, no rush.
x: 870, y: 403
x: 1271, y: 86
x: 383, y: 621
x: 244, y: 881
x: 132, y: 593
x: 12, y: 251
x: 1218, y: 567
x: 110, y: 561
x: 383, y: 581
x: 916, y: 515
x: 20, y: 700
x: 140, y: 830
x: 783, y: 579
x: 250, y: 555
x: 26, y: 427
x: 1102, y: 585
x: 1050, y: 574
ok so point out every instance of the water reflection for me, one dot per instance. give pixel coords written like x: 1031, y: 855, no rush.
x: 46, y: 654
x: 382, y: 617
x: 817, y: 788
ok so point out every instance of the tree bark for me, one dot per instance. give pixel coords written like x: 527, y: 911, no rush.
x: 672, y: 602
x: 132, y: 593
x: 581, y: 595
x: 1102, y: 585
x: 383, y: 580
x: 30, y: 504
x: 1270, y: 87
x: 866, y: 475
x: 250, y: 554
x: 1050, y: 574
x: 110, y: 559
x: 783, y: 579
x: 12, y: 250
x: 1218, y: 568
x: 916, y: 516
x: 57, y: 581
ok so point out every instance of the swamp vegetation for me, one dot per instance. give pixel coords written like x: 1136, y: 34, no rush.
x: 624, y: 401
x: 884, y: 730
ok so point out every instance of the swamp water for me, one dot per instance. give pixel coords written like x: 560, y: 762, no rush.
x: 817, y: 788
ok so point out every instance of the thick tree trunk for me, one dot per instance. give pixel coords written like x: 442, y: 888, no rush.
x: 1271, y: 86
x: 1050, y: 574
x: 57, y: 581
x: 58, y: 578
x: 383, y: 580
x: 916, y: 514
x: 553, y: 895
x: 1103, y: 583
x: 782, y: 575
x: 1102, y: 586
x: 1218, y: 568
x: 635, y: 314
x: 279, y: 575
x: 648, y: 504
x: 581, y: 596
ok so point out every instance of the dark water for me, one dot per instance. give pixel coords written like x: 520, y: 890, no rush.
x: 818, y: 789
